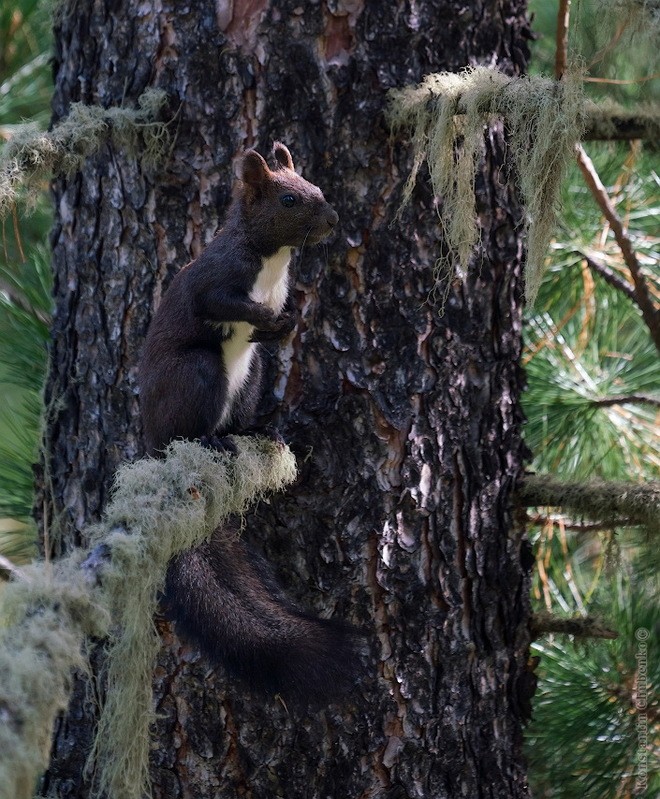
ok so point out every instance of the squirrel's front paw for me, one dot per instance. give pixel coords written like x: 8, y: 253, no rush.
x: 278, y: 329
x: 219, y: 444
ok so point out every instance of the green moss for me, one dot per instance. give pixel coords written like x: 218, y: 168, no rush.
x: 447, y: 113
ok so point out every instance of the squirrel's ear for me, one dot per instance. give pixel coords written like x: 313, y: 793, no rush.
x: 282, y: 155
x: 254, y: 170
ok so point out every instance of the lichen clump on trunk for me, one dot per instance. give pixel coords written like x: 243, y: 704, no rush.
x: 447, y: 113
x: 31, y: 155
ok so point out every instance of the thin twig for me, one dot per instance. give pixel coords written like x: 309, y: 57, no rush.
x: 17, y: 233
x: 650, y: 313
x: 616, y: 82
x: 7, y: 566
x: 577, y: 527
x: 20, y: 301
x: 611, y: 277
x: 600, y: 55
x: 561, y: 53
x: 647, y: 399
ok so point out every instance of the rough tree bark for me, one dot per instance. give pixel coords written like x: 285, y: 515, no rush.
x: 406, y: 422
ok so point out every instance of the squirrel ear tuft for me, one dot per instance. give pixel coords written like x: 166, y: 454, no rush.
x: 282, y: 155
x: 254, y: 170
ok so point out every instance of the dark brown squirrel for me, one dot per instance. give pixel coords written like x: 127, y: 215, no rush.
x: 200, y: 378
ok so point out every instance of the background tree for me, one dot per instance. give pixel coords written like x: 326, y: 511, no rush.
x: 592, y: 404
x: 406, y: 424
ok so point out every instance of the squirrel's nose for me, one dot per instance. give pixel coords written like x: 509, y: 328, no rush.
x: 332, y: 217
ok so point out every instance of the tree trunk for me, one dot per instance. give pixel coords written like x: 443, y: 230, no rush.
x: 406, y: 421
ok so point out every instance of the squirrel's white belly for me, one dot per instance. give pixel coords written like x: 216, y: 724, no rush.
x: 271, y: 288
x: 237, y: 352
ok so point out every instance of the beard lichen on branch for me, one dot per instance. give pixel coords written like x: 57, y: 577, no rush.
x: 32, y: 155
x: 158, y: 508
x: 447, y: 114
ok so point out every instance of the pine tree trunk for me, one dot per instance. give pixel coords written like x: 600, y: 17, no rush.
x: 406, y: 421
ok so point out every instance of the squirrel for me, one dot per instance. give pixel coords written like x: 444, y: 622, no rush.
x: 200, y: 378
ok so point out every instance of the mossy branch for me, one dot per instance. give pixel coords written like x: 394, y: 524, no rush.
x: 581, y: 626
x: 32, y: 155
x: 158, y: 508
x: 608, y: 121
x: 598, y: 500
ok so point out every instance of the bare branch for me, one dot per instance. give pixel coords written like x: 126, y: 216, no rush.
x: 561, y: 53
x: 648, y: 399
x: 12, y: 570
x: 650, y: 313
x: 611, y: 277
x: 577, y: 527
x: 582, y: 626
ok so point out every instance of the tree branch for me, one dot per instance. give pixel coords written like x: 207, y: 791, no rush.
x: 577, y: 527
x: 158, y: 508
x: 561, y: 52
x: 649, y: 399
x: 603, y: 124
x: 650, y: 313
x: 611, y: 277
x: 598, y: 500
x: 581, y: 626
x: 12, y: 570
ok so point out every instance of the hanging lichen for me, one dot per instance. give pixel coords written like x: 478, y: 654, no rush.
x: 447, y: 113
x: 31, y: 155
x: 159, y: 507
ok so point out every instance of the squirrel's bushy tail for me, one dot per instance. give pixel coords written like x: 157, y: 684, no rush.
x: 223, y: 598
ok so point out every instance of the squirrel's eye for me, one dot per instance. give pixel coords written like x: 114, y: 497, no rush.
x: 288, y: 200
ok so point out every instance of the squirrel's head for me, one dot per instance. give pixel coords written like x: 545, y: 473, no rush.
x: 280, y: 207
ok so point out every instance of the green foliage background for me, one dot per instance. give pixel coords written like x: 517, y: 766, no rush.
x: 585, y: 342
x: 25, y: 91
